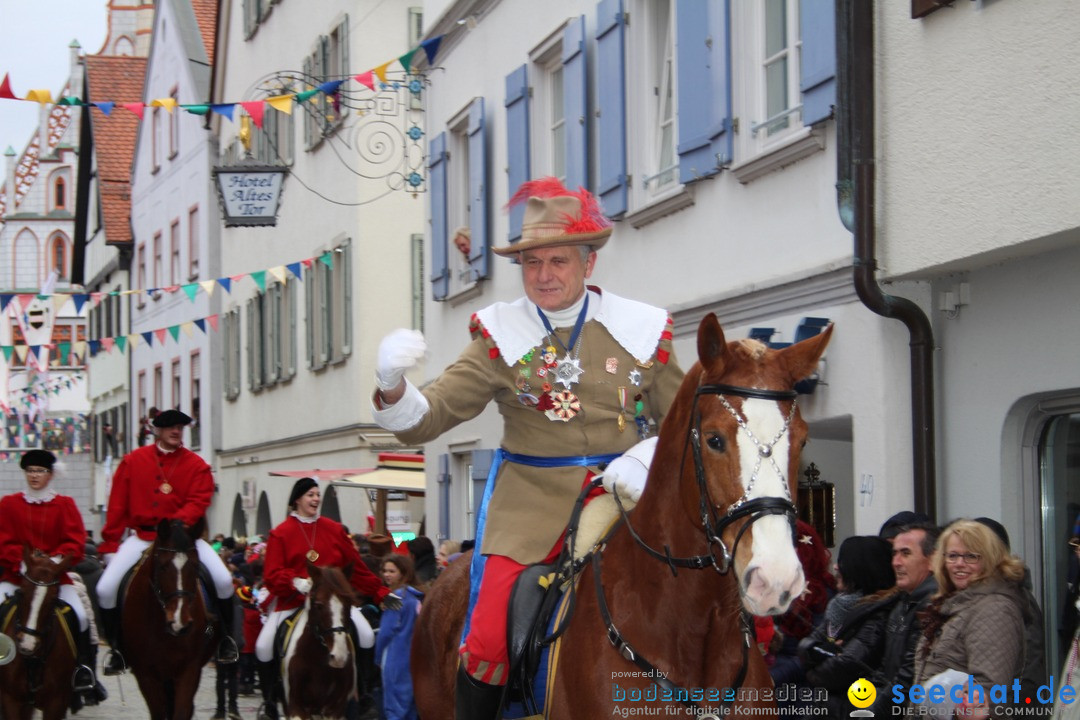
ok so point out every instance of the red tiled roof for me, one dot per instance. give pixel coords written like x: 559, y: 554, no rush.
x: 206, y: 15
x: 119, y: 79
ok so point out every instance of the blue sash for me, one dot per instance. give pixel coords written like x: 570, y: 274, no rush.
x: 476, y: 570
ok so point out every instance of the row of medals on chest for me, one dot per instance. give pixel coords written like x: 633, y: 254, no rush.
x: 563, y: 405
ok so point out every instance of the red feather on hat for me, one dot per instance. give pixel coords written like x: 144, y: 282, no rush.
x: 592, y: 217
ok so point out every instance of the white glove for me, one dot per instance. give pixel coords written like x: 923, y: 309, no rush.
x: 398, y: 351
x: 627, y: 473
x: 302, y: 585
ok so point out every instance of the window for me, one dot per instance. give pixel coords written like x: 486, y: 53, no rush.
x: 155, y: 139
x: 418, y: 282
x: 274, y: 143
x: 175, y: 377
x: 230, y: 329
x: 329, y: 308
x: 328, y: 61
x: 174, y: 253
x: 58, y: 255
x: 549, y: 151
x: 416, y: 26
x: 140, y: 387
x: 254, y: 13
x: 157, y: 274
x: 59, y: 194
x: 458, y: 205
x: 196, y: 394
x: 140, y: 264
x: 174, y: 127
x: 193, y: 243
x: 159, y: 386
x: 272, y: 336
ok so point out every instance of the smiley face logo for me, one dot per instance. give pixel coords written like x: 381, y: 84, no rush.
x: 862, y: 693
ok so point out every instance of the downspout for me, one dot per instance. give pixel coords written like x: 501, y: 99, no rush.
x: 855, y: 200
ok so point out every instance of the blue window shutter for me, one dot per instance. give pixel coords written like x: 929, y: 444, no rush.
x: 574, y: 104
x: 478, y: 190
x: 443, y: 479
x: 703, y: 61
x: 611, y: 111
x: 440, y: 269
x: 517, y: 142
x: 817, y: 79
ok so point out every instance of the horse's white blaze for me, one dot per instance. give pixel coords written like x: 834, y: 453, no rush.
x: 339, y: 648
x: 774, y: 575
x: 177, y: 624
x: 28, y: 643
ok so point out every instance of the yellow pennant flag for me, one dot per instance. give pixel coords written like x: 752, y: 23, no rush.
x: 79, y: 348
x: 134, y: 339
x: 208, y: 286
x: 130, y: 292
x: 39, y: 96
x: 381, y: 70
x: 167, y: 103
x: 59, y: 301
x: 278, y: 273
x: 282, y: 103
x: 187, y: 327
x: 20, y: 352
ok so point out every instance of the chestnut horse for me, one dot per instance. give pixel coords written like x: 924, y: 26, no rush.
x: 662, y: 609
x: 319, y: 663
x: 40, y: 674
x: 167, y: 634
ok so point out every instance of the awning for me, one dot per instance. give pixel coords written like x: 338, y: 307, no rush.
x: 395, y: 471
x: 324, y: 475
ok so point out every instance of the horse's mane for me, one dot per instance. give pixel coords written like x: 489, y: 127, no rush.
x: 334, y: 578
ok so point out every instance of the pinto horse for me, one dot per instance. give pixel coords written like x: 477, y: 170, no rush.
x: 663, y: 607
x: 40, y: 674
x: 167, y: 634
x: 319, y: 657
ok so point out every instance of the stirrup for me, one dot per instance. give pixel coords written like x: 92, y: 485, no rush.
x: 115, y: 663
x: 82, y: 679
x: 227, y: 652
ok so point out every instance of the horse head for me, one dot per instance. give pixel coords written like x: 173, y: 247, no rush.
x: 743, y: 436
x: 41, y: 579
x: 174, y: 573
x: 328, y: 605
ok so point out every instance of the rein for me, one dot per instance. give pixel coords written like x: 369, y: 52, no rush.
x: 164, y: 598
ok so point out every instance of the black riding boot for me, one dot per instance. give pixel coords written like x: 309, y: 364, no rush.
x: 110, y: 625
x: 268, y: 679
x: 227, y: 652
x: 85, y: 679
x: 475, y: 700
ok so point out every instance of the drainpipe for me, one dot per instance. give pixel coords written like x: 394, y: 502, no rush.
x: 855, y: 201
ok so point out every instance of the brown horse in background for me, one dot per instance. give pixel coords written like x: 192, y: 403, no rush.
x: 319, y: 656
x: 167, y: 634
x: 40, y: 674
x: 709, y: 542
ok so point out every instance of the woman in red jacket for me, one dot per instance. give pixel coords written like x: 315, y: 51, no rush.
x: 305, y: 537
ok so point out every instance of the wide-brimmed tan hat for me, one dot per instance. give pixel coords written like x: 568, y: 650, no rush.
x: 555, y: 216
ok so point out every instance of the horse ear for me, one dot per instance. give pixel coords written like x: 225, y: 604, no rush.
x: 711, y: 345
x: 163, y: 530
x: 313, y: 571
x: 801, y: 359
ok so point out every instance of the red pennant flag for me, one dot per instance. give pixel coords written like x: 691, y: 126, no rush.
x: 108, y: 343
x: 367, y: 79
x: 160, y: 335
x: 307, y: 262
x: 255, y: 109
x: 136, y: 108
x: 5, y: 89
x: 213, y: 320
x: 26, y: 299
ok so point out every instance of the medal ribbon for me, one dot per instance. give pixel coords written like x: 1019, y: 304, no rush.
x: 578, y: 325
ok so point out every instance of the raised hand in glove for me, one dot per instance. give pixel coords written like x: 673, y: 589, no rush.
x: 398, y: 351
x: 391, y: 602
x: 626, y: 474
x: 302, y: 585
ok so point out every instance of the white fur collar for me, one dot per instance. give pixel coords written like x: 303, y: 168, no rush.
x: 516, y: 328
x: 36, y: 497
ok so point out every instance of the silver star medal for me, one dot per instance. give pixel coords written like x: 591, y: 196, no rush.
x: 568, y: 371
x: 634, y: 377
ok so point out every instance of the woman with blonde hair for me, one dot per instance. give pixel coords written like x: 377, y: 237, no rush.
x: 975, y: 622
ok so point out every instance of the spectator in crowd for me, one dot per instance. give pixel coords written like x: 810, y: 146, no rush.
x: 912, y: 551
x: 1034, y: 673
x: 247, y: 595
x: 901, y: 520
x: 974, y: 624
x: 447, y: 548
x: 422, y: 552
x: 851, y: 640
x: 807, y: 610
x: 395, y: 639
x: 228, y: 674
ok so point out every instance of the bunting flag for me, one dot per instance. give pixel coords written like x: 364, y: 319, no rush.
x: 256, y: 108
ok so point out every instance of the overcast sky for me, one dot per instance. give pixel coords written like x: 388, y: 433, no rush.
x: 34, y: 40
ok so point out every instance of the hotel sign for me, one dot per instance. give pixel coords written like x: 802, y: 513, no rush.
x: 249, y: 194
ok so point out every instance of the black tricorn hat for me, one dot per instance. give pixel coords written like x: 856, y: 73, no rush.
x: 37, y: 458
x: 171, y: 418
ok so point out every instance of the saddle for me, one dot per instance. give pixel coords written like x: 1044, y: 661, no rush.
x: 69, y: 623
x: 206, y: 582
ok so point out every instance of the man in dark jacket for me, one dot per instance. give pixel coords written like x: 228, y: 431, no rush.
x: 912, y: 548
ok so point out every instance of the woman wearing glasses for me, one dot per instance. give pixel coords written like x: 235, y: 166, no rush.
x: 975, y: 623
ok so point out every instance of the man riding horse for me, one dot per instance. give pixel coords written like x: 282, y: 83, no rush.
x: 156, y: 482
x: 581, y: 376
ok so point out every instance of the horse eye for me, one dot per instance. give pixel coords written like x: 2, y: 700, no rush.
x: 716, y: 442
